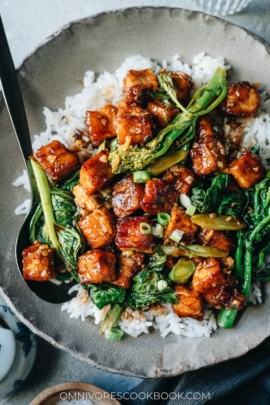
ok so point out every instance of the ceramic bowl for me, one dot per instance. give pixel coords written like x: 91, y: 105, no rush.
x: 18, y: 346
x: 52, y: 72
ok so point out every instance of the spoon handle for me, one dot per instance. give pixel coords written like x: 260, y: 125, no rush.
x: 13, y: 97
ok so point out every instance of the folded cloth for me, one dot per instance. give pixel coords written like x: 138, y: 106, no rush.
x: 242, y: 381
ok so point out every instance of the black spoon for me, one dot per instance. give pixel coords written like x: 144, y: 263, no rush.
x: 12, y: 94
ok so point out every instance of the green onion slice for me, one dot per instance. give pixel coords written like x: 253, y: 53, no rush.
x: 157, y: 231
x: 163, y: 218
x: 114, y: 334
x: 191, y: 209
x: 141, y: 176
x: 162, y: 284
x: 145, y: 228
x: 177, y: 235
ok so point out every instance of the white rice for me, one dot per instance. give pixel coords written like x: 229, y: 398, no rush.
x: 62, y: 124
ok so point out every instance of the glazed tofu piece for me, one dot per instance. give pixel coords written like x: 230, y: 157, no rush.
x: 102, y: 124
x: 86, y: 201
x: 96, y: 267
x: 225, y: 296
x: 98, y: 228
x: 38, y: 262
x: 206, y: 127
x: 130, y: 237
x: 208, y: 276
x: 162, y: 114
x: 216, y: 239
x: 56, y: 160
x: 247, y: 169
x: 208, y: 156
x: 181, y: 221
x: 182, y: 178
x: 144, y: 78
x: 190, y: 303
x: 96, y: 172
x: 127, y: 196
x: 159, y: 196
x: 134, y: 125
x: 183, y: 84
x: 128, y: 268
x: 242, y: 100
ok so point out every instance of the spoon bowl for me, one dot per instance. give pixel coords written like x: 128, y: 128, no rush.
x: 47, y: 290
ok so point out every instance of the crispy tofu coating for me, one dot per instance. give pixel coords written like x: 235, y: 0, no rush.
x: 190, y: 303
x: 128, y: 268
x: 134, y: 125
x: 97, y: 266
x: 56, y: 160
x: 183, y: 84
x: 98, y: 228
x: 216, y: 239
x: 38, y: 262
x: 96, y: 172
x: 130, y: 237
x: 162, y: 114
x: 242, y: 100
x: 102, y: 124
x: 127, y: 196
x: 208, y: 156
x: 217, y: 289
x: 206, y: 127
x: 247, y: 169
x: 144, y: 78
x: 86, y: 201
x: 159, y: 196
x: 182, y: 178
x: 180, y: 220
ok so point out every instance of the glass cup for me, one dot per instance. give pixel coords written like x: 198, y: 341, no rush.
x: 221, y: 7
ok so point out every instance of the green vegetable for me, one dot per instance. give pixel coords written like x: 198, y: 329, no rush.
x: 114, y: 334
x: 218, y: 223
x: 69, y: 183
x: 53, y: 221
x: 166, y: 161
x: 157, y: 231
x: 182, y: 128
x: 234, y: 205
x: 163, y: 218
x: 145, y: 290
x: 193, y: 251
x: 157, y: 260
x: 141, y: 176
x: 191, y: 210
x: 207, y: 201
x: 111, y: 319
x: 104, y: 294
x: 145, y: 228
x: 182, y: 271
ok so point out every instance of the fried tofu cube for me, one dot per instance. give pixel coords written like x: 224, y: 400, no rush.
x: 134, y: 125
x: 159, y: 196
x: 102, y: 123
x: 162, y: 114
x: 144, y: 78
x: 127, y: 196
x: 208, y: 156
x: 182, y: 178
x: 38, y: 262
x: 247, y: 169
x: 97, y: 266
x: 98, y: 228
x: 130, y: 237
x: 207, y: 276
x: 183, y: 84
x: 96, y: 172
x: 216, y: 239
x: 56, y: 160
x: 129, y: 267
x: 206, y: 127
x: 242, y: 100
x: 86, y: 201
x: 181, y: 221
x: 190, y: 303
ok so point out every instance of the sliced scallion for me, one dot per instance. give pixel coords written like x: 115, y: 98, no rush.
x: 114, y: 334
x: 191, y: 209
x: 145, y: 228
x: 157, y: 231
x: 163, y: 218
x: 162, y: 284
x: 141, y: 176
x: 185, y: 200
x: 177, y: 235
